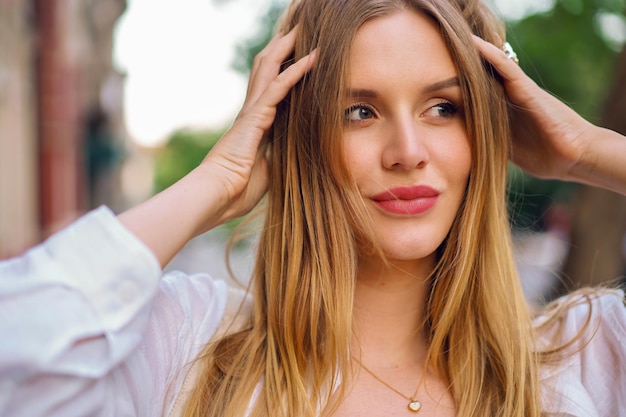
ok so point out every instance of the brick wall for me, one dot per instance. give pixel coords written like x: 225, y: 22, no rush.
x: 55, y: 64
x: 19, y: 222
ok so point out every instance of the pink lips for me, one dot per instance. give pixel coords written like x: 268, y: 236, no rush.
x: 407, y: 200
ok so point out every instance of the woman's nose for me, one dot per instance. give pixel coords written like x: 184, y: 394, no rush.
x: 406, y: 147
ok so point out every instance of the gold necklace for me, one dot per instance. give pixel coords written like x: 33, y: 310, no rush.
x: 414, y: 405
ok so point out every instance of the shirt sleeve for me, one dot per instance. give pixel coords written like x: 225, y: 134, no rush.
x: 591, y: 380
x: 89, y: 328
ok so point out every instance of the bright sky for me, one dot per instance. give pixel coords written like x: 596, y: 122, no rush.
x: 178, y: 53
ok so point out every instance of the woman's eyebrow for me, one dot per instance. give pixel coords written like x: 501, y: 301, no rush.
x: 441, y: 85
x: 362, y: 92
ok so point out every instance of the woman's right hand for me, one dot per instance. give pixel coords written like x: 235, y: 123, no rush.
x: 237, y: 161
x: 233, y: 176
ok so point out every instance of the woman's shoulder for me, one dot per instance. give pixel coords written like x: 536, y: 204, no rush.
x: 192, y: 310
x: 585, y: 315
x: 581, y: 302
x: 211, y: 304
x: 582, y: 338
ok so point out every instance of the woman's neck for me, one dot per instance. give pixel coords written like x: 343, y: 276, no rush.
x: 389, y: 312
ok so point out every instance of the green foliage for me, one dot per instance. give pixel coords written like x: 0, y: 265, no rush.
x: 184, y: 151
x: 565, y: 53
x: 250, y: 47
x: 613, y: 6
x: 530, y: 199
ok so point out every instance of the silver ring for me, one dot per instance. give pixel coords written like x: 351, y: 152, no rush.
x: 510, y: 53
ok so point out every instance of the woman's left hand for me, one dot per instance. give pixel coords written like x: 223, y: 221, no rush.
x: 550, y: 140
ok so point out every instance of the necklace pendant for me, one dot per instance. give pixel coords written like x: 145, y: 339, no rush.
x: 415, y: 406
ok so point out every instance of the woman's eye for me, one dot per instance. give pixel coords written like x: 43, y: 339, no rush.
x: 445, y: 109
x: 358, y: 113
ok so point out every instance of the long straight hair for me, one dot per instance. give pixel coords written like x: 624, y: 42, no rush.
x: 297, y: 346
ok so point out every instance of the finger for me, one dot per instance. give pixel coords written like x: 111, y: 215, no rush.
x: 258, y: 116
x: 286, y: 80
x: 281, y: 43
x: 505, y: 66
x: 268, y: 62
x: 520, y: 88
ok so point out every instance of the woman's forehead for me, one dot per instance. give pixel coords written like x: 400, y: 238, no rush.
x: 406, y: 44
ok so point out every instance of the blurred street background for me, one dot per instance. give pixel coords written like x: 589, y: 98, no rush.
x: 109, y: 101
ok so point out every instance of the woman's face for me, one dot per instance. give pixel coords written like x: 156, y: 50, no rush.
x: 406, y: 144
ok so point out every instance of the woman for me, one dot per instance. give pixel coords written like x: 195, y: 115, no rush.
x: 384, y: 281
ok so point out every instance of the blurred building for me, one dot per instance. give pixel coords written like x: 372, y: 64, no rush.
x: 60, y: 110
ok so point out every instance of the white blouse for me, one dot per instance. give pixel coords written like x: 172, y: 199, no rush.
x: 89, y: 326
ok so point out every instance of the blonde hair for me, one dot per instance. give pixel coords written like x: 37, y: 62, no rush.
x: 478, y: 325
